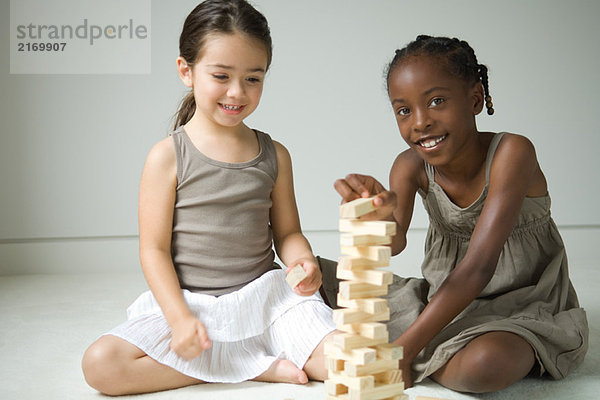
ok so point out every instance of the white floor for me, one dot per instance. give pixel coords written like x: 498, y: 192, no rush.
x: 47, y: 321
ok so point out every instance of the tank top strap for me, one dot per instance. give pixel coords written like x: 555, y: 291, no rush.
x: 269, y: 153
x: 429, y: 171
x: 490, y: 155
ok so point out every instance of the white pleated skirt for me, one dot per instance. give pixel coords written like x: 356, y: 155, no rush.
x: 249, y: 329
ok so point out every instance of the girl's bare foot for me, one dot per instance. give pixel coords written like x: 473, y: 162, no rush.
x: 283, y: 371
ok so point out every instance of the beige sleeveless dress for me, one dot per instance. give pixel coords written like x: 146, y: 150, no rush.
x: 530, y: 293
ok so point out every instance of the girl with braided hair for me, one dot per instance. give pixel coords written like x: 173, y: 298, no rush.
x: 495, y: 303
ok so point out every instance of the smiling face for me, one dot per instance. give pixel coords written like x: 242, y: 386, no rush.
x: 227, y: 79
x: 434, y: 109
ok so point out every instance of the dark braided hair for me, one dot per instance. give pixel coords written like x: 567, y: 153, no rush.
x: 459, y: 58
x: 218, y: 17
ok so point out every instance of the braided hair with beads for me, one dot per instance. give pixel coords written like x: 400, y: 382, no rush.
x: 458, y: 55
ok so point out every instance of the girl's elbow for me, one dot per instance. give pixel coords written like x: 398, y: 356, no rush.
x: 398, y: 244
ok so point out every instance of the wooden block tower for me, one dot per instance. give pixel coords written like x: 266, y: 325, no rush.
x: 361, y: 363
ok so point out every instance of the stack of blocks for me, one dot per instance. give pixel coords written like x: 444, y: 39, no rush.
x: 361, y: 363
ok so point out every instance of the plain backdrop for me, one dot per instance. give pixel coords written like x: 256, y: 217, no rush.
x: 73, y: 146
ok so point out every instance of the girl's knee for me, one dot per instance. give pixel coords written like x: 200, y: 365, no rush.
x: 101, y: 367
x: 494, y: 361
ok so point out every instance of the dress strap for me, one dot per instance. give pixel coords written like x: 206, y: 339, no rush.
x: 429, y: 170
x: 490, y: 155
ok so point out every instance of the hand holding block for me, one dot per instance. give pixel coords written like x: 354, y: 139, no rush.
x: 357, y: 208
x: 295, y: 276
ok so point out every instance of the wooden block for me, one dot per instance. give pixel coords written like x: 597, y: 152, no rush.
x: 349, y: 341
x: 358, y: 227
x: 333, y: 388
x: 380, y: 365
x: 357, y: 290
x: 371, y: 306
x: 389, y: 351
x: 295, y: 276
x: 348, y: 239
x: 389, y: 376
x: 357, y: 208
x: 379, y: 392
x: 374, y: 277
x: 332, y: 364
x: 375, y: 253
x: 352, y: 263
x: 352, y: 382
x: 345, y: 316
x: 366, y: 329
x: 356, y: 356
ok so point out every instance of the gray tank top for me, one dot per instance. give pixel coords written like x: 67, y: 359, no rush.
x: 222, y: 237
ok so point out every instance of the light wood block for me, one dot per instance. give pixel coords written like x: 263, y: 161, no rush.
x: 295, y: 276
x: 389, y: 376
x: 356, y: 356
x: 380, y: 365
x: 379, y: 392
x: 346, y: 316
x: 352, y: 263
x: 352, y: 382
x: 374, y: 277
x: 389, y: 351
x: 348, y: 239
x: 332, y: 364
x: 375, y: 253
x: 357, y: 290
x: 333, y: 388
x: 370, y: 305
x: 349, y: 341
x: 358, y: 227
x: 373, y: 330
x: 357, y: 208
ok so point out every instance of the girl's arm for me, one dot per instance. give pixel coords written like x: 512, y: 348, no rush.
x: 407, y: 175
x: 514, y: 174
x: 290, y: 244
x: 156, y: 204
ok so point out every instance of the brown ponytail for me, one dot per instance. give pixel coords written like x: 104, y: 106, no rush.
x: 187, y: 107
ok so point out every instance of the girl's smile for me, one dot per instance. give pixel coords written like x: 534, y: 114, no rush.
x: 431, y: 143
x: 231, y: 109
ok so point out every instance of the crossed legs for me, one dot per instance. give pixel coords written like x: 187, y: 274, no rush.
x: 115, y: 367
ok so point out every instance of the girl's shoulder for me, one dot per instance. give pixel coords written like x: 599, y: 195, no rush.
x: 409, y: 166
x: 515, y: 160
x: 162, y: 156
x: 515, y: 141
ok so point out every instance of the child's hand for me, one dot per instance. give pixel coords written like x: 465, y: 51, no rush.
x: 405, y: 367
x: 354, y: 186
x: 309, y: 285
x: 189, y: 338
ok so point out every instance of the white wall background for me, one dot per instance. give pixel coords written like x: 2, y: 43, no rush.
x: 73, y: 146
